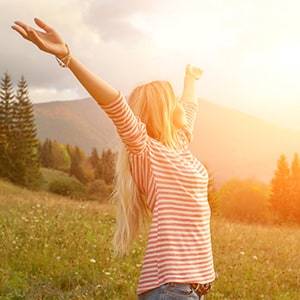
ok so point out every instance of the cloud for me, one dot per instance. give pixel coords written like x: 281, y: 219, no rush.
x: 89, y: 27
x: 19, y: 56
x: 111, y: 18
x: 247, y: 49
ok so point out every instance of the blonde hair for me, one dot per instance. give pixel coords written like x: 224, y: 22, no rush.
x: 154, y: 103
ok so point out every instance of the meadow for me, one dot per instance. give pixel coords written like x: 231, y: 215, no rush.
x: 52, y: 247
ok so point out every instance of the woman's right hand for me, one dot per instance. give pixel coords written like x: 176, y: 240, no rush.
x: 49, y: 41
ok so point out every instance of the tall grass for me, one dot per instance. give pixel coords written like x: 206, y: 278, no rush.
x: 55, y: 248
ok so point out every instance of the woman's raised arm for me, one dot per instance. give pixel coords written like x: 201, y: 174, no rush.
x: 189, y: 99
x: 131, y: 129
x: 51, y: 42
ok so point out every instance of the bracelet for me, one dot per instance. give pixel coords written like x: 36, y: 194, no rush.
x: 68, y: 56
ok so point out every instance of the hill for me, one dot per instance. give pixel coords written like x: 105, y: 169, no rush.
x: 230, y: 142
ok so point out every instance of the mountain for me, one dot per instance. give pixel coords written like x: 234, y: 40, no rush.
x: 235, y: 144
x: 77, y: 122
x: 230, y: 143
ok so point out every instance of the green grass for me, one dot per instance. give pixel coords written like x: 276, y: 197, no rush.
x: 55, y: 248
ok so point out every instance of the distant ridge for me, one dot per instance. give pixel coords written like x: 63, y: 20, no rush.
x: 229, y: 142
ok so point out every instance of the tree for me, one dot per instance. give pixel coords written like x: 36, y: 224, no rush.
x: 77, y: 168
x: 59, y: 156
x: 295, y: 187
x: 46, y: 157
x: 25, y: 145
x: 6, y: 119
x: 97, y: 164
x: 279, y: 198
x: 108, y: 163
x: 94, y: 158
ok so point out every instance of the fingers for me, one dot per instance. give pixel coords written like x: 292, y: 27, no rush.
x: 21, y: 31
x: 43, y: 25
x: 22, y: 28
x: 23, y: 25
x: 28, y: 33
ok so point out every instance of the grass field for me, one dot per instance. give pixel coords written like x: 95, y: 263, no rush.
x: 55, y: 248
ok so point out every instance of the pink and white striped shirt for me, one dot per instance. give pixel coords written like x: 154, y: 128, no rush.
x: 175, y: 182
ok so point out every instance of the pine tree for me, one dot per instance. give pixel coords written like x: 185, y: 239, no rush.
x: 46, y: 159
x: 279, y: 198
x: 6, y: 119
x: 96, y: 163
x: 25, y: 143
x: 108, y: 163
x: 94, y: 158
x: 76, y: 168
x: 40, y: 144
x: 295, y: 187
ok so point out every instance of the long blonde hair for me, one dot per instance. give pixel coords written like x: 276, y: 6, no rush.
x: 154, y: 103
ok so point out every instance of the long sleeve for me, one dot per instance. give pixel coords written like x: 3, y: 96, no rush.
x: 191, y: 109
x: 130, y: 128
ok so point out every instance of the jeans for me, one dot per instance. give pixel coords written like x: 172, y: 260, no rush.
x: 180, y: 291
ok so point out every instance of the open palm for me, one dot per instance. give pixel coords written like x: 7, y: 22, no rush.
x: 49, y: 40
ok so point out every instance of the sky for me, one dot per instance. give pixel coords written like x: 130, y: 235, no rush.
x: 249, y: 51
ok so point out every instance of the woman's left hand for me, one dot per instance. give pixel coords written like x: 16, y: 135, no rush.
x: 193, y: 71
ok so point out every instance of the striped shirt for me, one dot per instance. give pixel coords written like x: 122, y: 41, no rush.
x: 175, y: 184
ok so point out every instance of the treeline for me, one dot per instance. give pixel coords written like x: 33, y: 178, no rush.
x: 75, y: 162
x: 250, y: 200
x: 22, y: 154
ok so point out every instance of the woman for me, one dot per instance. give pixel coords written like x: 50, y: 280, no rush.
x: 158, y: 180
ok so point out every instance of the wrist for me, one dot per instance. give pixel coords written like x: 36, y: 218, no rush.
x: 189, y: 76
x: 64, y: 58
x: 63, y: 53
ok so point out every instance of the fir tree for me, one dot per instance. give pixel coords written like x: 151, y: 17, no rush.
x: 295, y: 187
x: 96, y: 163
x: 108, y: 163
x: 46, y: 159
x: 6, y: 119
x: 76, y: 168
x: 279, y: 198
x: 94, y: 158
x: 25, y: 152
